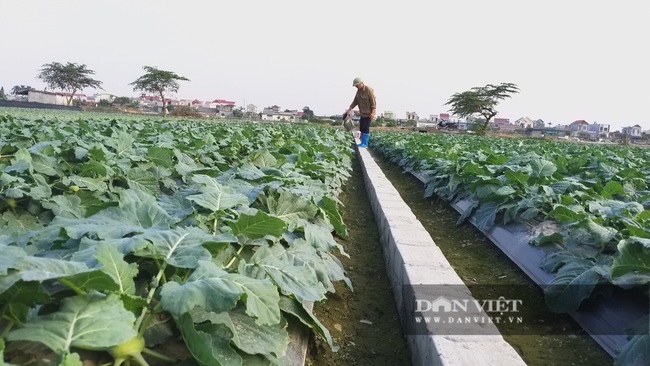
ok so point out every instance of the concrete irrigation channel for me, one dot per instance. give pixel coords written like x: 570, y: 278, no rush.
x: 423, y: 280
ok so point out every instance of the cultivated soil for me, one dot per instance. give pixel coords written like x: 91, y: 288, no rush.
x: 364, y: 323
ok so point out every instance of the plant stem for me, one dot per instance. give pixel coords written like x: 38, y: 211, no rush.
x: 72, y: 286
x: 152, y: 291
x: 158, y: 355
x: 5, y: 156
x: 148, y: 319
x: 234, y: 257
x: 7, y: 328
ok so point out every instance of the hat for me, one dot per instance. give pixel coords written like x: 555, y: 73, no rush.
x: 357, y: 81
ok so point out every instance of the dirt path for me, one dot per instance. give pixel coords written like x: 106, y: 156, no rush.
x: 347, y: 314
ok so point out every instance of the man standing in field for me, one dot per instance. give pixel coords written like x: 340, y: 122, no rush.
x: 365, y: 99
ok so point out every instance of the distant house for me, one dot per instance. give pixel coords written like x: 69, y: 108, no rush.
x: 105, y: 96
x: 525, y: 122
x: 224, y: 107
x: 151, y: 101
x: 183, y: 102
x: 600, y: 129
x: 60, y: 98
x: 579, y: 127
x: 270, y: 115
x: 444, y: 116
x: 412, y: 116
x: 389, y: 115
x: 251, y: 108
x: 634, y: 131
x: 539, y: 123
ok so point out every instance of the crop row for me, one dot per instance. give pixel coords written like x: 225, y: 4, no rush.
x: 119, y: 233
x: 597, y: 199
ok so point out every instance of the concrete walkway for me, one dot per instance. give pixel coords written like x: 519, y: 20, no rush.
x: 425, y: 284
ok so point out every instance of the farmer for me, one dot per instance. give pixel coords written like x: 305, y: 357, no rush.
x: 365, y: 99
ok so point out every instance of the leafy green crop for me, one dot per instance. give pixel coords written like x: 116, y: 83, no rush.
x: 114, y: 229
x: 598, y: 198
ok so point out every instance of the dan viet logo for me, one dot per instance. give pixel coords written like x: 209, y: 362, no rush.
x: 465, y: 311
x: 442, y: 304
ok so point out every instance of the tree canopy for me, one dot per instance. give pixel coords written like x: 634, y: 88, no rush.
x: 159, y: 82
x: 20, y: 89
x: 308, y: 114
x: 69, y: 77
x: 481, y: 100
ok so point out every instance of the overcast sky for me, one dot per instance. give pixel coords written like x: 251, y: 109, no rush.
x: 572, y: 59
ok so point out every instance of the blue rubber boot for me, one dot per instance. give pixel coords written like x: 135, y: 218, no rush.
x: 364, y: 140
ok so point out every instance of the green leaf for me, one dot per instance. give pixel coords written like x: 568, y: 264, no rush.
x: 505, y: 191
x: 542, y: 168
x: 160, y: 156
x: 182, y: 247
x: 92, y: 184
x: 263, y: 159
x: 40, y: 190
x: 471, y: 168
x: 321, y: 238
x: 208, y: 344
x: 16, y: 301
x: 137, y: 211
x: 214, y: 196
x: 631, y: 266
x: 44, y: 164
x: 612, y: 188
x: 113, y: 264
x: 16, y: 265
x: 68, y: 206
x: 213, y: 289
x: 250, y: 172
x: 298, y: 310
x: 485, y: 215
x: 555, y: 238
x: 326, y: 266
x: 86, y: 321
x: 553, y: 262
x: 93, y: 280
x: 287, y: 272
x: 71, y: 359
x: 95, y: 169
x: 565, y: 215
x: 292, y: 209
x: 573, y: 284
x: 20, y: 223
x: 249, y: 336
x: 330, y: 207
x: 636, y: 351
x: 144, y: 180
x: 258, y: 225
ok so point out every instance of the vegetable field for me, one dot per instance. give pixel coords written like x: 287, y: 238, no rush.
x: 596, y: 198
x: 120, y: 234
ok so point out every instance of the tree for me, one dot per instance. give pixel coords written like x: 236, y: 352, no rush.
x: 2, y: 93
x: 70, y: 77
x: 481, y: 101
x: 158, y: 81
x: 307, y: 113
x: 17, y: 89
x: 238, y: 113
